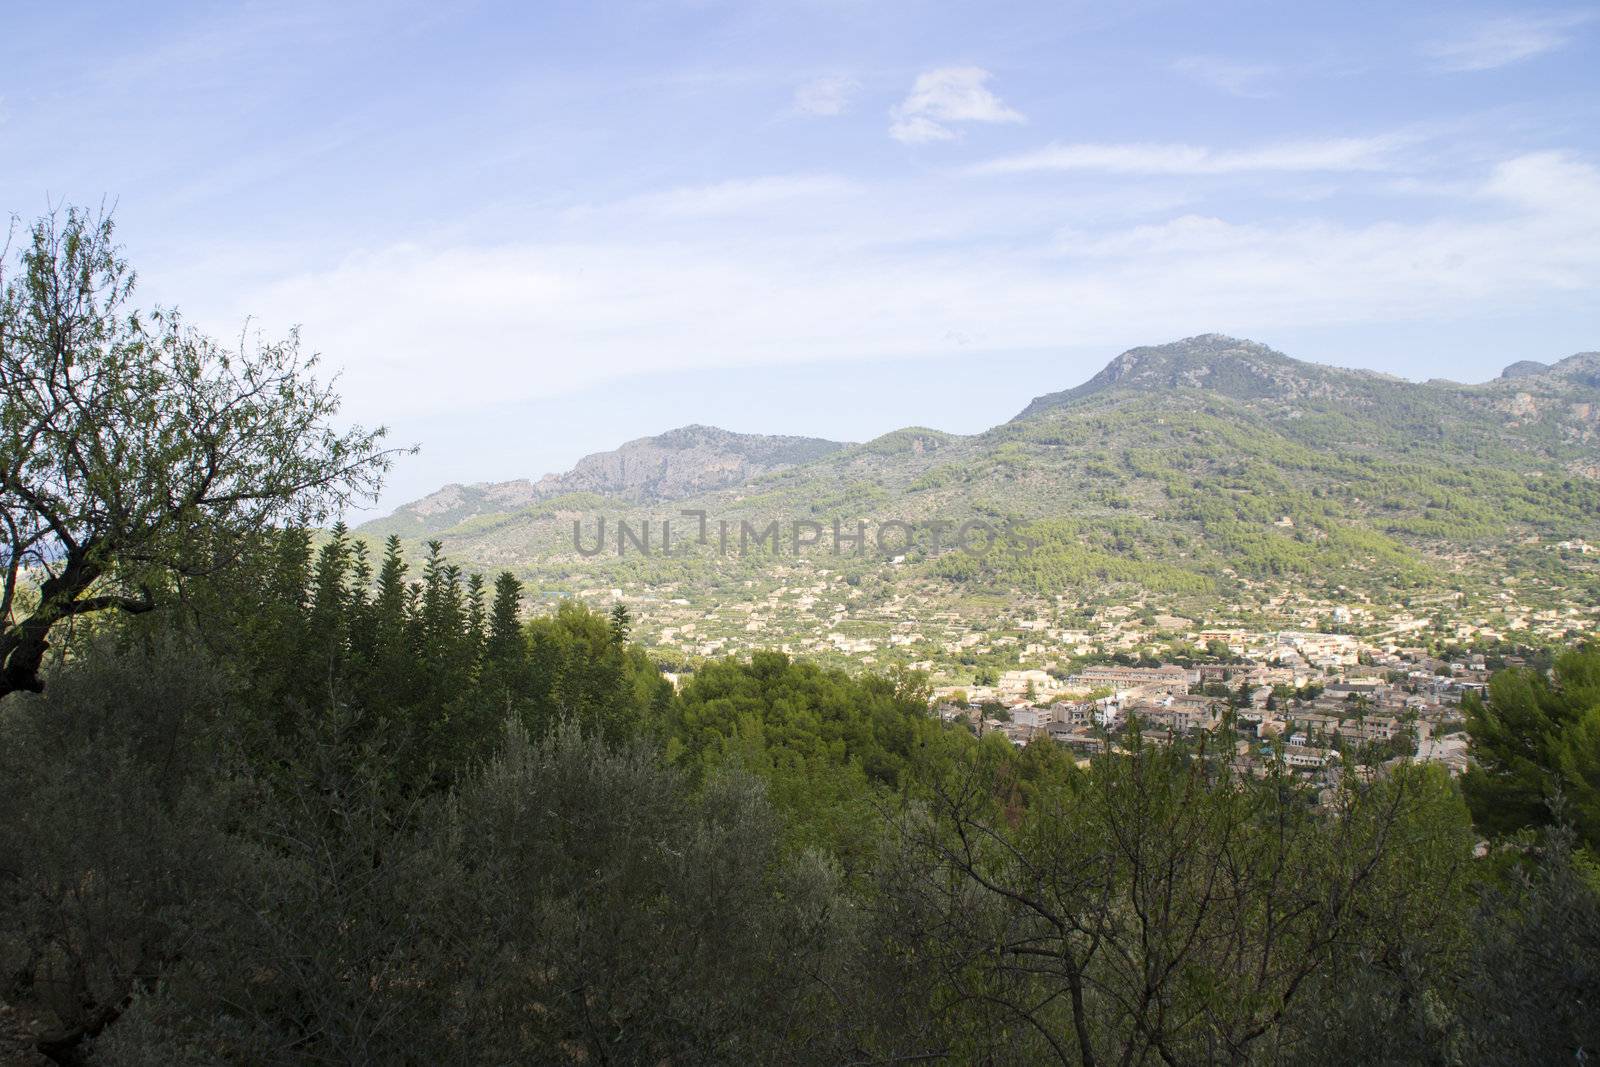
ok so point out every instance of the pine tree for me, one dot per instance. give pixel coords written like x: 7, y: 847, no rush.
x: 393, y: 666
x: 621, y: 624
x: 506, y: 642
x: 391, y: 599
x: 329, y: 622
x: 477, y: 622
x: 361, y: 621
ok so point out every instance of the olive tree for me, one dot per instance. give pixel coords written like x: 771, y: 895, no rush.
x: 135, y: 450
x: 1162, y: 909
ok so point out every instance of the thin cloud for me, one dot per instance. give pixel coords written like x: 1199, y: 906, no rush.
x: 740, y: 195
x: 1547, y: 182
x: 1236, y: 79
x: 1337, y: 154
x: 539, y: 318
x: 945, y: 96
x: 825, y: 96
x: 1503, y: 41
x: 919, y: 129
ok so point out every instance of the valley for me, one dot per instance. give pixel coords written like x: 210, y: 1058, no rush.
x: 1207, y: 484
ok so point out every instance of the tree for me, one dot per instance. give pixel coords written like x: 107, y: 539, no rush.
x: 621, y: 624
x: 1159, y: 908
x: 1534, y: 739
x: 830, y: 746
x: 135, y: 451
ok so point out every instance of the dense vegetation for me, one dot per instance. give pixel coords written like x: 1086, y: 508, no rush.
x: 1202, y: 470
x: 1537, y: 743
x: 326, y: 812
x: 267, y: 799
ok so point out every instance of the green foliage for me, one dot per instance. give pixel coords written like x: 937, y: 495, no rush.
x: 1068, y: 555
x: 136, y: 452
x: 426, y: 664
x: 111, y: 807
x: 917, y: 439
x: 569, y: 897
x: 783, y: 864
x: 1535, y: 739
x: 1158, y: 878
x: 831, y: 746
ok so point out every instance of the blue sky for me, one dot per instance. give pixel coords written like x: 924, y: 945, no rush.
x: 523, y: 232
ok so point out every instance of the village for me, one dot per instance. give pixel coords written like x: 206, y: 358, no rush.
x: 1311, y: 684
x: 1317, y: 705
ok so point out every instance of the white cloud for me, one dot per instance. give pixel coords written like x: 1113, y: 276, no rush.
x: 1502, y: 41
x: 1336, y: 154
x: 1547, y: 182
x: 886, y: 274
x: 740, y: 195
x: 1234, y: 78
x: 919, y: 129
x: 829, y: 95
x: 943, y: 96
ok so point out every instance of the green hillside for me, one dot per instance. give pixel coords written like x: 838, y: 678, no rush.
x: 1210, y: 476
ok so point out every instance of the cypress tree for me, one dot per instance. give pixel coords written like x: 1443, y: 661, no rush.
x: 621, y: 624
x: 506, y: 643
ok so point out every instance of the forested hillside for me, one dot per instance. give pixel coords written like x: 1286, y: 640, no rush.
x: 1209, y: 472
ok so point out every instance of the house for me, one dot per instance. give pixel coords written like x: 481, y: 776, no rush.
x: 1033, y: 717
x: 1306, y: 757
x: 1349, y: 690
x: 1117, y: 677
x: 1178, y: 714
x: 1081, y: 740
x: 1380, y: 729
x: 1018, y: 682
x: 1451, y: 751
x: 1076, y: 714
x: 1314, y: 722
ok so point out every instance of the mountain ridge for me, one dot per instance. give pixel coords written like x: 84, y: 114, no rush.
x: 1189, y: 465
x: 695, y: 458
x: 665, y: 466
x: 1205, y: 361
x: 1209, y: 478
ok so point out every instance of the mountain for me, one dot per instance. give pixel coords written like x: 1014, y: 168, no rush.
x: 1216, y: 363
x: 683, y: 462
x: 1211, y: 477
x: 1582, y: 369
x: 669, y: 466
x: 1532, y: 406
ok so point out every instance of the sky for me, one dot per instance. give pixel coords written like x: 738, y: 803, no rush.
x: 522, y: 232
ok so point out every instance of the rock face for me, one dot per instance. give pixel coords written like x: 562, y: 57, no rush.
x: 669, y: 466
x: 1245, y: 370
x: 1547, y: 411
x: 482, y: 496
x: 1524, y: 367
x: 1582, y: 369
x: 681, y: 463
